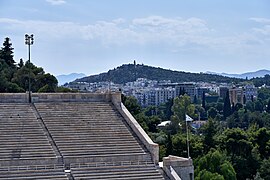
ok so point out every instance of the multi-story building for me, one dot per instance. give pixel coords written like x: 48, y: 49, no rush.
x: 222, y: 91
x: 250, y: 92
x: 236, y: 95
x: 199, y: 91
x: 80, y: 86
x: 188, y: 88
x: 154, y: 96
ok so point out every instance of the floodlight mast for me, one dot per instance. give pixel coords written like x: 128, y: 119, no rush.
x: 29, y: 40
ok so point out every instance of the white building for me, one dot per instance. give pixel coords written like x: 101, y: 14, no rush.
x: 154, y: 96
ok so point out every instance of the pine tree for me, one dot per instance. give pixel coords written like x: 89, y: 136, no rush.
x: 7, y: 53
x: 227, y: 106
x: 21, y: 63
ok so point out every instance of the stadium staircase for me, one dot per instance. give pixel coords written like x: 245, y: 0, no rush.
x: 70, y: 140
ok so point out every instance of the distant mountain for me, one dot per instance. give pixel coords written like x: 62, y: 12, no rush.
x: 130, y: 72
x: 249, y: 75
x: 62, y: 79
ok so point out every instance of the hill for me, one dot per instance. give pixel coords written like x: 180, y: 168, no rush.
x: 66, y: 78
x: 130, y: 72
x: 248, y: 75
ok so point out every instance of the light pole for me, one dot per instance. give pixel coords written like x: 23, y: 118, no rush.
x: 29, y: 40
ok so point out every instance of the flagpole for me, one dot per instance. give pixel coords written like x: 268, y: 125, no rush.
x: 187, y: 137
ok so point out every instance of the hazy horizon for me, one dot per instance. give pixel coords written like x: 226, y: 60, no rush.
x: 105, y: 71
x: 94, y: 36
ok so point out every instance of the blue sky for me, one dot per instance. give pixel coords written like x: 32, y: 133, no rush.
x: 93, y: 36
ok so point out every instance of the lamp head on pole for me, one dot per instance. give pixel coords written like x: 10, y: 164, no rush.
x: 26, y: 38
x: 29, y: 40
x: 32, y: 39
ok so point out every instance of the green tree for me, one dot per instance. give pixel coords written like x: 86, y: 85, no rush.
x: 262, y: 139
x: 7, y: 53
x: 195, y: 100
x: 46, y: 83
x: 3, y: 82
x: 215, y: 163
x: 200, y: 111
x: 131, y: 104
x: 40, y: 81
x: 238, y: 106
x: 203, y: 100
x: 206, y: 175
x: 256, y: 118
x: 258, y: 105
x: 250, y: 106
x: 21, y: 63
x: 268, y: 106
x: 179, y: 142
x: 266, y: 120
x: 264, y: 93
x: 264, y: 169
x: 227, y: 106
x: 236, y: 142
x: 219, y: 107
x: 16, y: 79
x: 212, y: 113
x: 209, y: 131
x: 21, y: 77
x: 182, y: 106
x: 234, y: 121
x: 13, y: 88
x: 240, y: 151
x: 169, y: 145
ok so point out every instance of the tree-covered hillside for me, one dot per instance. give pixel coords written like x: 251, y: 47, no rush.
x: 259, y: 81
x: 15, y: 77
x: 130, y: 72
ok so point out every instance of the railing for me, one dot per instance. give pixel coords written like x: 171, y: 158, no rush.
x: 74, y: 165
x: 106, y: 164
x: 31, y: 167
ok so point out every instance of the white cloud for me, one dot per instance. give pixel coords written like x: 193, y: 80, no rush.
x: 261, y: 20
x: 153, y: 21
x: 56, y: 2
x: 175, y: 33
x: 189, y: 25
x: 264, y: 28
x: 119, y: 21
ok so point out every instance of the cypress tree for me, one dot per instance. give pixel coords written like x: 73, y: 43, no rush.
x: 195, y: 100
x: 169, y: 145
x: 268, y: 106
x: 203, y: 100
x: 233, y: 109
x: 227, y: 106
x: 244, y: 99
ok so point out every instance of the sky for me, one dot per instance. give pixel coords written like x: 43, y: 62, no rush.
x: 93, y: 36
